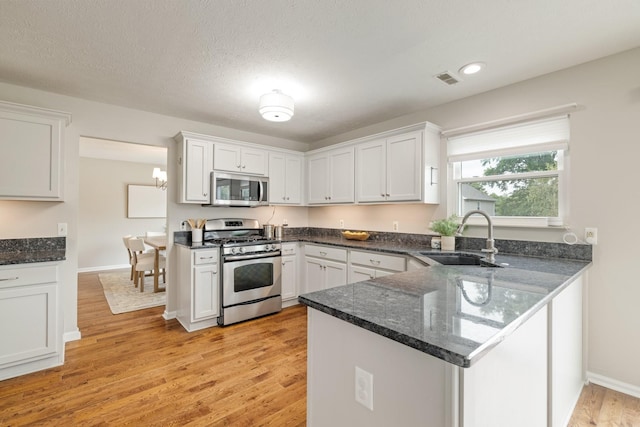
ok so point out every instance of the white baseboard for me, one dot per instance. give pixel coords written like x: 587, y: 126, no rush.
x: 71, y: 336
x: 168, y: 315
x: 103, y: 268
x: 616, y: 385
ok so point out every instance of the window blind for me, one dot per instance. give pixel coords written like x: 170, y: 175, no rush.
x: 547, y: 134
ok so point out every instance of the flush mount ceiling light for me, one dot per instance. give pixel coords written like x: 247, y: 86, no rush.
x: 275, y: 106
x: 473, y: 68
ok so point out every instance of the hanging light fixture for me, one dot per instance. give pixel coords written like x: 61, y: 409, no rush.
x: 275, y: 106
x: 161, y: 178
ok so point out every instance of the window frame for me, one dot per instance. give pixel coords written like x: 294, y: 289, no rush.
x: 562, y: 173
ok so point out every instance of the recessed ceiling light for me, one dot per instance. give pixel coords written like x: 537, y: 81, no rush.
x: 472, y: 68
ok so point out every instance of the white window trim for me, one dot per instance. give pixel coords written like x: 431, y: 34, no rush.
x: 519, y: 222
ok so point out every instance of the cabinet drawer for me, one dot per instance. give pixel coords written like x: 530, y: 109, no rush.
x: 288, y: 249
x: 30, y: 275
x: 378, y: 260
x: 209, y: 256
x: 326, y: 252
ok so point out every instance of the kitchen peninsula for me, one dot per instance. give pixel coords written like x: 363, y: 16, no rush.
x: 449, y: 346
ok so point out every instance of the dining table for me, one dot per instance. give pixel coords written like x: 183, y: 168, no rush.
x: 159, y: 243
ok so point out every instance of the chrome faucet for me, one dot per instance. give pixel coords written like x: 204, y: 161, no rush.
x: 490, y: 250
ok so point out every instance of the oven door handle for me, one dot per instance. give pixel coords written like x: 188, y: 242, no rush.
x: 229, y: 258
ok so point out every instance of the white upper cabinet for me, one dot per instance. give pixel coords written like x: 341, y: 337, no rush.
x: 195, y: 167
x: 331, y: 176
x: 285, y: 179
x: 240, y: 159
x: 431, y: 164
x: 31, y: 142
x: 399, y: 168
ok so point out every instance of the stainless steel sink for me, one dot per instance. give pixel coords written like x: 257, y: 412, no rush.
x: 458, y: 259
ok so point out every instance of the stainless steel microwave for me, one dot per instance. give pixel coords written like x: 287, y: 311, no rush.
x: 228, y: 189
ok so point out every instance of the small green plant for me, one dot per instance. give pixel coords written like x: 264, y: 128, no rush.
x: 446, y: 227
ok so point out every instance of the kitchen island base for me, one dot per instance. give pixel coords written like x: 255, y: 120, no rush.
x: 508, y: 386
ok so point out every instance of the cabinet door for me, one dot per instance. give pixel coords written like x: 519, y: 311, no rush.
x: 314, y: 275
x: 431, y: 165
x: 317, y: 168
x: 227, y: 158
x: 293, y: 181
x: 31, y: 152
x: 253, y: 161
x: 341, y: 176
x: 403, y: 167
x: 277, y: 178
x: 198, y: 164
x: 289, y: 279
x: 335, y: 274
x: 206, y: 302
x: 371, y: 177
x: 31, y: 329
x: 360, y: 274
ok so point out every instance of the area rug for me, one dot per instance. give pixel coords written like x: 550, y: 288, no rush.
x: 123, y: 296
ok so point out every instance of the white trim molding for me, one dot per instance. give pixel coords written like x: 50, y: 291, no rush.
x: 616, y: 385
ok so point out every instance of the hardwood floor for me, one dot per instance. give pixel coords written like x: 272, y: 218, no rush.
x: 138, y: 369
x: 599, y: 406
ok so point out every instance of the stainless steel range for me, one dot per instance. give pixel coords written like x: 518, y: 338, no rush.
x: 251, y: 269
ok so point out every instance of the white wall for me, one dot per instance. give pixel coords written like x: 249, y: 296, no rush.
x: 102, y: 215
x: 605, y: 155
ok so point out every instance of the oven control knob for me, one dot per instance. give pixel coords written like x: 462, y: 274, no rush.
x: 241, y: 250
x: 268, y: 248
x: 233, y: 251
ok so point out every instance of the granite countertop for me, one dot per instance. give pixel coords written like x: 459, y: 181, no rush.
x: 32, y: 250
x: 455, y: 313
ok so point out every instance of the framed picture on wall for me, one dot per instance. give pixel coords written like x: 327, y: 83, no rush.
x: 146, y: 201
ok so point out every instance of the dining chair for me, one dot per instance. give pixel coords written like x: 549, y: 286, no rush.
x: 144, y: 262
x: 130, y: 254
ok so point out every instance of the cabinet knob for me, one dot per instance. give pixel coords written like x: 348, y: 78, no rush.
x: 244, y: 166
x: 374, y: 262
x: 382, y: 195
x: 238, y: 166
x: 287, y: 198
x: 323, y: 253
x: 387, y: 194
x: 205, y: 194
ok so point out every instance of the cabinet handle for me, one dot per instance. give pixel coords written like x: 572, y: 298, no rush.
x: 433, y: 182
x: 374, y: 262
x: 6, y: 279
x: 238, y: 166
x: 387, y: 194
x: 323, y: 253
x: 209, y: 257
x: 244, y: 166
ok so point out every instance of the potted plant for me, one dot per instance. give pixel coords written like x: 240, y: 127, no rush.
x: 447, y: 229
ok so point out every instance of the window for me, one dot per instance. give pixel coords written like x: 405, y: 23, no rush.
x: 515, y: 173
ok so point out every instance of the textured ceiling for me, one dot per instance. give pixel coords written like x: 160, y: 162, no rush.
x: 347, y: 63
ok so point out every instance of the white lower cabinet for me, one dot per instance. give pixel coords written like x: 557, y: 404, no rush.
x: 30, y: 328
x: 367, y: 265
x: 198, y: 288
x: 325, y: 267
x: 289, y: 273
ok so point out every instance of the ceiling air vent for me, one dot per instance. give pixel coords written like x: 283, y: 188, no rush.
x: 447, y: 78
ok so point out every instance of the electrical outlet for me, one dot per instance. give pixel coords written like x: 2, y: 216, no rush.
x: 591, y: 235
x: 396, y: 226
x: 364, y: 388
x: 62, y: 229
x: 342, y: 223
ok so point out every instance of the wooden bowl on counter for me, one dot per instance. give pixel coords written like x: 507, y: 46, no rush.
x: 355, y: 235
